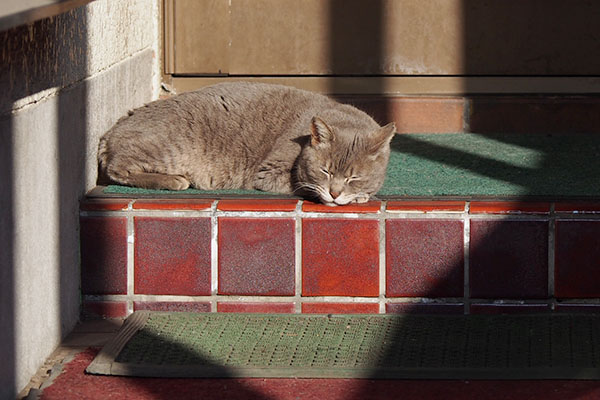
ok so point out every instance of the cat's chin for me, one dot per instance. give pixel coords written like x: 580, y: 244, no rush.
x: 336, y: 202
x: 349, y: 199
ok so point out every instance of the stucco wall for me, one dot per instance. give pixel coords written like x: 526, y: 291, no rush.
x: 65, y: 80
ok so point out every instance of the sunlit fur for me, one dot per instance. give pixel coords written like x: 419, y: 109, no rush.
x: 351, y: 165
x: 250, y: 136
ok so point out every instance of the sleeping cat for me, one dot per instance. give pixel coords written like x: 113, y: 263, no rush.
x: 250, y: 136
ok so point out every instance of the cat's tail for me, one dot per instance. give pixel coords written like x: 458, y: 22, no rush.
x: 103, y: 178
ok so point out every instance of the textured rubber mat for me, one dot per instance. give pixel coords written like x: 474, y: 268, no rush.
x: 160, y: 344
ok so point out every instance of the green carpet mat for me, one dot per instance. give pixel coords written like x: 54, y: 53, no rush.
x: 471, y: 165
x: 161, y: 344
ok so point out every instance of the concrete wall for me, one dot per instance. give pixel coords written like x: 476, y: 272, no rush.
x: 65, y: 80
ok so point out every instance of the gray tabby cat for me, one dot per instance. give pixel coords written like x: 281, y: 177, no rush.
x: 250, y: 136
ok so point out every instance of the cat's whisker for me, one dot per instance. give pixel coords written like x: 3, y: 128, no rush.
x: 318, y: 190
x: 310, y: 186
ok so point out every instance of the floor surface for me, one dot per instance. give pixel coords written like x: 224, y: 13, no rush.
x: 68, y: 381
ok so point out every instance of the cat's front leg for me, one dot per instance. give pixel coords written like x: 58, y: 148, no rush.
x: 273, y: 177
x: 150, y: 180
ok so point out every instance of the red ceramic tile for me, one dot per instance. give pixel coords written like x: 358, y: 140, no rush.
x: 340, y: 308
x: 426, y: 206
x: 425, y: 308
x: 179, y: 306
x: 340, y: 257
x: 578, y: 308
x: 549, y: 114
x: 172, y: 204
x: 368, y: 207
x: 172, y: 256
x: 424, y: 258
x: 577, y: 259
x: 257, y: 256
x: 104, y: 309
x: 103, y: 255
x: 509, y: 308
x: 257, y: 205
x: 239, y: 307
x: 104, y: 204
x: 582, y: 207
x: 508, y: 207
x: 414, y: 114
x: 509, y: 259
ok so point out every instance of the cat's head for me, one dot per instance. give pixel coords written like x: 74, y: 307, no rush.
x: 342, y: 164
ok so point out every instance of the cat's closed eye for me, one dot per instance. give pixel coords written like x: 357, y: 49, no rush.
x: 325, y: 171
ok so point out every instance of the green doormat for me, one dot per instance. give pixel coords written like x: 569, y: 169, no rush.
x: 161, y: 344
x: 472, y: 165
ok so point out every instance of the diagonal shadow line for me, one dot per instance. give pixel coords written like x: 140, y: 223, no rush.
x: 184, y: 387
x: 481, y: 165
x: 574, y: 167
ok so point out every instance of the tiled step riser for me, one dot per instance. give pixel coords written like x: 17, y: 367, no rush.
x: 484, y: 114
x: 289, y: 256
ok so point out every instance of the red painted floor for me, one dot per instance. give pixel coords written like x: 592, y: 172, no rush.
x: 73, y: 383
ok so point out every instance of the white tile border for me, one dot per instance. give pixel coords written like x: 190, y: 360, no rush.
x: 298, y: 215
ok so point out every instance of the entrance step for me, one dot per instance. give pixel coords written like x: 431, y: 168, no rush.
x: 285, y: 255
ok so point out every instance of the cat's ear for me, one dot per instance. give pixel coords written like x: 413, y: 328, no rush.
x: 321, y: 134
x: 382, y: 138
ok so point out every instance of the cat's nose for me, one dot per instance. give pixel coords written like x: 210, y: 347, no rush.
x: 334, y: 194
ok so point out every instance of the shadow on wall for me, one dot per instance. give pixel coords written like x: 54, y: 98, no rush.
x: 8, y: 380
x: 356, y: 46
x: 42, y: 156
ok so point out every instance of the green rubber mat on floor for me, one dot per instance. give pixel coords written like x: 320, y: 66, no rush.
x: 476, y: 165
x: 161, y: 344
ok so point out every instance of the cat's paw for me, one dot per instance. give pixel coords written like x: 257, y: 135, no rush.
x: 176, y: 182
x: 361, y: 198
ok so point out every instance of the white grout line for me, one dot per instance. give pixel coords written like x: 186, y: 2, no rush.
x: 466, y: 256
x: 382, y: 259
x: 291, y: 299
x: 329, y: 299
x: 130, y: 262
x: 214, y: 257
x: 213, y: 212
x: 298, y: 259
x: 551, y: 252
x: 240, y: 298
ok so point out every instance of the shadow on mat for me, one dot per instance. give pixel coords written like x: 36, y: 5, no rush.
x: 508, y: 165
